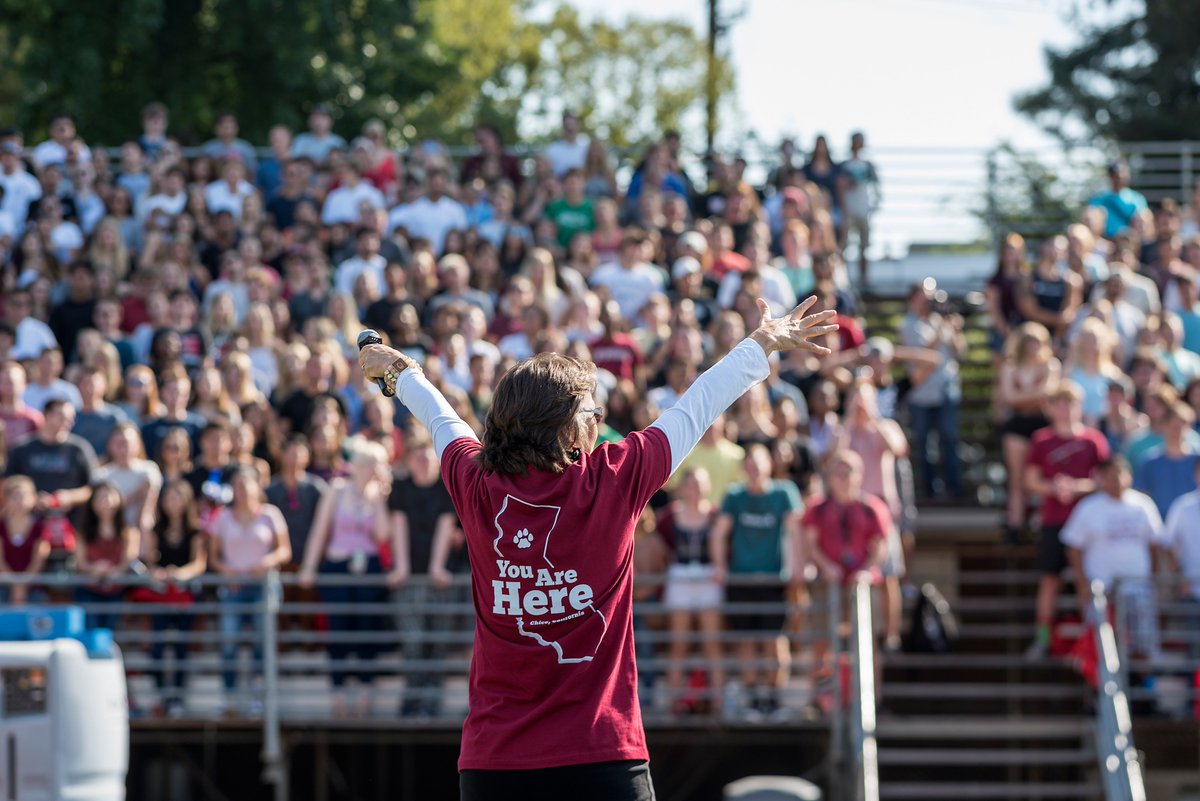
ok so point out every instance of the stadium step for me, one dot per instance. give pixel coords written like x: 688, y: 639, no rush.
x: 1001, y: 792
x: 982, y: 721
x: 972, y: 757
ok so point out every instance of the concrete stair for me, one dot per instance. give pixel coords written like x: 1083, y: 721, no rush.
x: 982, y: 722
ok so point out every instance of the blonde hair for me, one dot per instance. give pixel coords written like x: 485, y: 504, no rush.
x: 1014, y: 346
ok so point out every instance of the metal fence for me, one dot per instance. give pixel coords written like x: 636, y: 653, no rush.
x: 227, y: 647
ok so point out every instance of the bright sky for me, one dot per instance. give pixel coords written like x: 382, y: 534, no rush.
x: 911, y: 73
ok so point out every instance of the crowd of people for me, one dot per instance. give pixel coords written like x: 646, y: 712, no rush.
x: 1096, y: 339
x: 179, y: 392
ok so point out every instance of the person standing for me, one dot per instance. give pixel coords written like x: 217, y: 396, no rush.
x: 860, y: 197
x: 1120, y: 202
x: 247, y: 540
x: 934, y: 399
x: 425, y: 523
x: 754, y: 541
x: 549, y: 520
x: 350, y: 527
x: 1062, y: 460
x: 1110, y: 537
x: 295, y: 492
x: 62, y: 467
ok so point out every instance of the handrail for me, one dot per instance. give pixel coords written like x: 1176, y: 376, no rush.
x: 1120, y: 765
x: 863, y: 744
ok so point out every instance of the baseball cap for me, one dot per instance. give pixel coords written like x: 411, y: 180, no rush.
x: 683, y: 267
x: 694, y: 241
x: 881, y: 347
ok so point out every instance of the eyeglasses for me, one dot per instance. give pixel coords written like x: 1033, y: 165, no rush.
x: 598, y: 412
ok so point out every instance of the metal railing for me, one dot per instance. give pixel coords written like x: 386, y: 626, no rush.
x: 864, y: 749
x: 1120, y: 764
x: 272, y: 652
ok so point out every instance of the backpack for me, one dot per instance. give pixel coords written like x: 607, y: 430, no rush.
x: 933, y: 628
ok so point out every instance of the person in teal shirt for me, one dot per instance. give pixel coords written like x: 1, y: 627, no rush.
x: 1121, y: 202
x: 756, y: 538
x: 572, y: 213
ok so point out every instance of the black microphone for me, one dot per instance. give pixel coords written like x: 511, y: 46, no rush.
x: 371, y: 337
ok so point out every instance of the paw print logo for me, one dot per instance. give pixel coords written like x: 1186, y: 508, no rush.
x: 523, y: 538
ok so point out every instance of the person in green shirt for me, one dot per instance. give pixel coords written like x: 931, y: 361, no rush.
x: 755, y: 539
x: 572, y: 213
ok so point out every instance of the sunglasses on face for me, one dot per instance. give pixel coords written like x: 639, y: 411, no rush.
x: 598, y: 412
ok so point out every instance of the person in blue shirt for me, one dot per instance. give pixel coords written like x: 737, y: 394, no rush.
x: 1121, y: 202
x: 1167, y: 473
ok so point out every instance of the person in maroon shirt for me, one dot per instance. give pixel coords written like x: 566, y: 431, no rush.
x: 24, y: 541
x: 553, y: 688
x: 1059, y: 469
x: 616, y: 350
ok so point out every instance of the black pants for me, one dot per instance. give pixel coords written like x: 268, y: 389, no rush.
x: 626, y: 780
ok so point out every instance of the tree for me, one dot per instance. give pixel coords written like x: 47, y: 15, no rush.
x: 1134, y: 76
x: 628, y: 82
x: 269, y: 60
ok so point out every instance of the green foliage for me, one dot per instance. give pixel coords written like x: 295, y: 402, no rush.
x: 1132, y: 78
x: 426, y: 67
x: 627, y: 82
x: 269, y: 60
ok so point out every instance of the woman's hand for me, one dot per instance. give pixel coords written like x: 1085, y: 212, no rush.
x: 376, y: 359
x: 793, y: 331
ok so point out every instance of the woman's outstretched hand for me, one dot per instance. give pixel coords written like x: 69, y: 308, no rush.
x: 794, y: 331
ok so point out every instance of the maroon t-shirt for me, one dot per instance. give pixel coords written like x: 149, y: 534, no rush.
x: 1056, y: 455
x: 18, y: 555
x: 847, y: 532
x: 553, y: 676
x: 618, y: 354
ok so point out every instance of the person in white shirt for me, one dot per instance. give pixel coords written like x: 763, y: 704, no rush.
x: 1111, y: 537
x: 569, y: 152
x: 32, y: 335
x: 1181, y: 537
x: 171, y: 199
x: 343, y: 204
x: 366, y: 259
x: 46, y: 382
x: 431, y: 216
x: 1133, y: 288
x: 233, y: 188
x: 59, y: 146
x: 20, y: 188
x: 630, y: 281
x: 774, y: 286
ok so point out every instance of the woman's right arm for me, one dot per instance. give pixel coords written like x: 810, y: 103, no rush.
x: 418, y: 395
